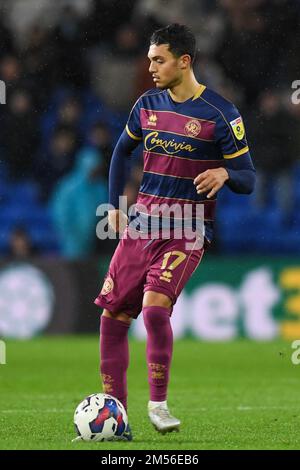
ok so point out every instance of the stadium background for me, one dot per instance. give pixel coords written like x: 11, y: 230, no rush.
x: 72, y: 70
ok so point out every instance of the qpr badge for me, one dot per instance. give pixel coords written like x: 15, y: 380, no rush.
x: 193, y: 128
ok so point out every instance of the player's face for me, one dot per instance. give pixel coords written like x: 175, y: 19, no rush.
x: 164, y: 67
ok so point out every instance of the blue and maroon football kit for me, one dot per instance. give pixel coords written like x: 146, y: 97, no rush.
x: 180, y: 141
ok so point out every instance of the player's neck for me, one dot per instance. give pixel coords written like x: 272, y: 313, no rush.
x: 185, y: 90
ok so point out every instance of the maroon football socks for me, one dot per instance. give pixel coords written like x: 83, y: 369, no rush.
x: 159, y: 350
x: 114, y: 357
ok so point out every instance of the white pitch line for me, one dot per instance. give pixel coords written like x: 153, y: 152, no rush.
x: 221, y: 408
x: 53, y: 410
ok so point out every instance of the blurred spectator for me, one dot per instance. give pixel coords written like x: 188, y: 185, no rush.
x: 200, y: 15
x: 294, y: 116
x: 69, y: 112
x: 58, y: 159
x: 20, y: 134
x: 51, y: 55
x: 20, y: 244
x: 65, y: 109
x: 106, y: 17
x: 6, y: 40
x: 252, y: 45
x: 168, y: 11
x: 68, y: 46
x: 275, y: 151
x: 39, y: 62
x: 74, y: 204
x: 116, y: 68
x: 10, y: 71
x: 99, y: 138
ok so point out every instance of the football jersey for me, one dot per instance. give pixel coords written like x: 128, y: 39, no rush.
x: 180, y: 141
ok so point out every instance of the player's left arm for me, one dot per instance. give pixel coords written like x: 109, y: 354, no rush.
x: 238, y: 172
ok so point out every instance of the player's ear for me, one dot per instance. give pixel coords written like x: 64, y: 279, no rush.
x: 185, y: 61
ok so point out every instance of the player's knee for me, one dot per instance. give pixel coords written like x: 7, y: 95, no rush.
x: 156, y: 299
x: 117, y: 316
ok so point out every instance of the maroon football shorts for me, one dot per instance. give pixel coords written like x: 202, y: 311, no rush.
x: 141, y: 265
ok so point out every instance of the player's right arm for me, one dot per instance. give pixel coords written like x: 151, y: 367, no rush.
x: 117, y: 219
x: 128, y: 141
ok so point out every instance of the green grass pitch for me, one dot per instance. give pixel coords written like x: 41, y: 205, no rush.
x: 237, y: 395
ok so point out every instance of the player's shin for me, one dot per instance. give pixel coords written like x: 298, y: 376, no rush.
x: 114, y: 357
x: 159, y: 350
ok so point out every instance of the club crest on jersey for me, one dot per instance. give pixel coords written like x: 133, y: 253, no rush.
x: 152, y: 120
x: 192, y: 128
x: 107, y: 286
x: 238, y: 128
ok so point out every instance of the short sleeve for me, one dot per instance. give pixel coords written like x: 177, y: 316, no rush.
x: 231, y: 134
x: 133, y: 126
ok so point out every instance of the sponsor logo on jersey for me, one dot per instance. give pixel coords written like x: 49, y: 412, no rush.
x: 152, y: 120
x: 171, y: 147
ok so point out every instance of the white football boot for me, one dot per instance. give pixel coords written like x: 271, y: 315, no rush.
x: 161, y: 419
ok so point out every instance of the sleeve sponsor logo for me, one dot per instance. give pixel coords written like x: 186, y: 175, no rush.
x: 238, y: 128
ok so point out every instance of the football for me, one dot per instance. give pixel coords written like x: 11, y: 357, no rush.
x: 100, y: 417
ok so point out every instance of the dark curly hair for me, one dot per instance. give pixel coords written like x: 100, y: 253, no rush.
x: 179, y: 37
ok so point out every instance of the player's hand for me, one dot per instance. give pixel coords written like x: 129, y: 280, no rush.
x: 211, y: 180
x: 117, y: 220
